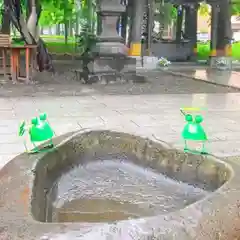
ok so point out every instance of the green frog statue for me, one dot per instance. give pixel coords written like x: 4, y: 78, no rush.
x: 194, y: 135
x: 40, y: 132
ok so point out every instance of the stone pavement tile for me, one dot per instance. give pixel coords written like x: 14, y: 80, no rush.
x: 74, y: 109
x: 144, y: 132
x: 90, y: 122
x: 10, y: 129
x: 4, y: 159
x: 225, y: 148
x: 143, y: 121
x: 6, y: 102
x: 117, y: 120
x: 10, y: 123
x: 140, y: 120
x: 10, y: 138
x: 11, y: 148
x: 168, y: 138
x: 26, y: 108
x: 23, y: 102
x: 65, y: 102
x: 63, y: 128
x: 127, y: 108
x: 91, y: 112
x: 7, y: 114
x: 225, y: 136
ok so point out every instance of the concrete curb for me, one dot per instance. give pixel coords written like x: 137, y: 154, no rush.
x: 198, y: 79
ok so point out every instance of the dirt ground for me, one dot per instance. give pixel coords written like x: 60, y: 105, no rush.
x: 64, y: 83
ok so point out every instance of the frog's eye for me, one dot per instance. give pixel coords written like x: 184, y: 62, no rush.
x: 198, y: 119
x: 34, y: 121
x: 188, y: 118
x: 43, y: 116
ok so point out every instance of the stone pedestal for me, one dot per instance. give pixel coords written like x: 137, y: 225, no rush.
x: 221, y: 63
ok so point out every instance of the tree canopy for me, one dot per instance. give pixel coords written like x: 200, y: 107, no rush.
x: 235, y: 6
x: 57, y: 11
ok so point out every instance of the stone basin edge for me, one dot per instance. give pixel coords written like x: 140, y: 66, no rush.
x: 214, y: 217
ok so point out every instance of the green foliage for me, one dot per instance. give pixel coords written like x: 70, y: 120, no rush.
x: 173, y: 13
x: 204, y: 9
x: 204, y: 51
x: 86, y: 40
x: 235, y: 7
x: 57, y: 11
x: 60, y: 48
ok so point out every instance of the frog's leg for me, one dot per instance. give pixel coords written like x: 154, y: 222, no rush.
x: 204, y: 148
x: 185, y: 145
x: 25, y: 145
x: 51, y: 143
x: 35, y: 149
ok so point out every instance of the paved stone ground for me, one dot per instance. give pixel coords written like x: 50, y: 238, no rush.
x: 205, y: 73
x: 151, y: 109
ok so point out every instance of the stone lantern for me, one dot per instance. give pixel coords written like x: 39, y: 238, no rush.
x: 111, y: 60
x: 109, y: 40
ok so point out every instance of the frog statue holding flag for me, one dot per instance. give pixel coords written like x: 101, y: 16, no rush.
x: 193, y: 133
x: 40, y: 132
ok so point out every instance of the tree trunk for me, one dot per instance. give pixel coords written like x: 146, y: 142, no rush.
x: 65, y: 22
x: 99, y: 24
x: 70, y: 27
x: 77, y: 23
x: 17, y: 18
x: 57, y: 29
x: 90, y: 13
x: 66, y: 32
x: 5, y: 19
x: 28, y: 9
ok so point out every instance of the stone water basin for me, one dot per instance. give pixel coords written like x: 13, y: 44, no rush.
x: 110, y: 185
x: 111, y: 190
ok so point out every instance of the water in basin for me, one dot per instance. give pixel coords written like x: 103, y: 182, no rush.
x: 111, y: 190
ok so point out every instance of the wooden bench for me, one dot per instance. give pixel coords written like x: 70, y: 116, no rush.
x: 5, y: 42
x: 30, y: 58
x: 15, y: 58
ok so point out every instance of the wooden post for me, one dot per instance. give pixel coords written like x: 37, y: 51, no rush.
x: 28, y: 52
x: 4, y: 62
